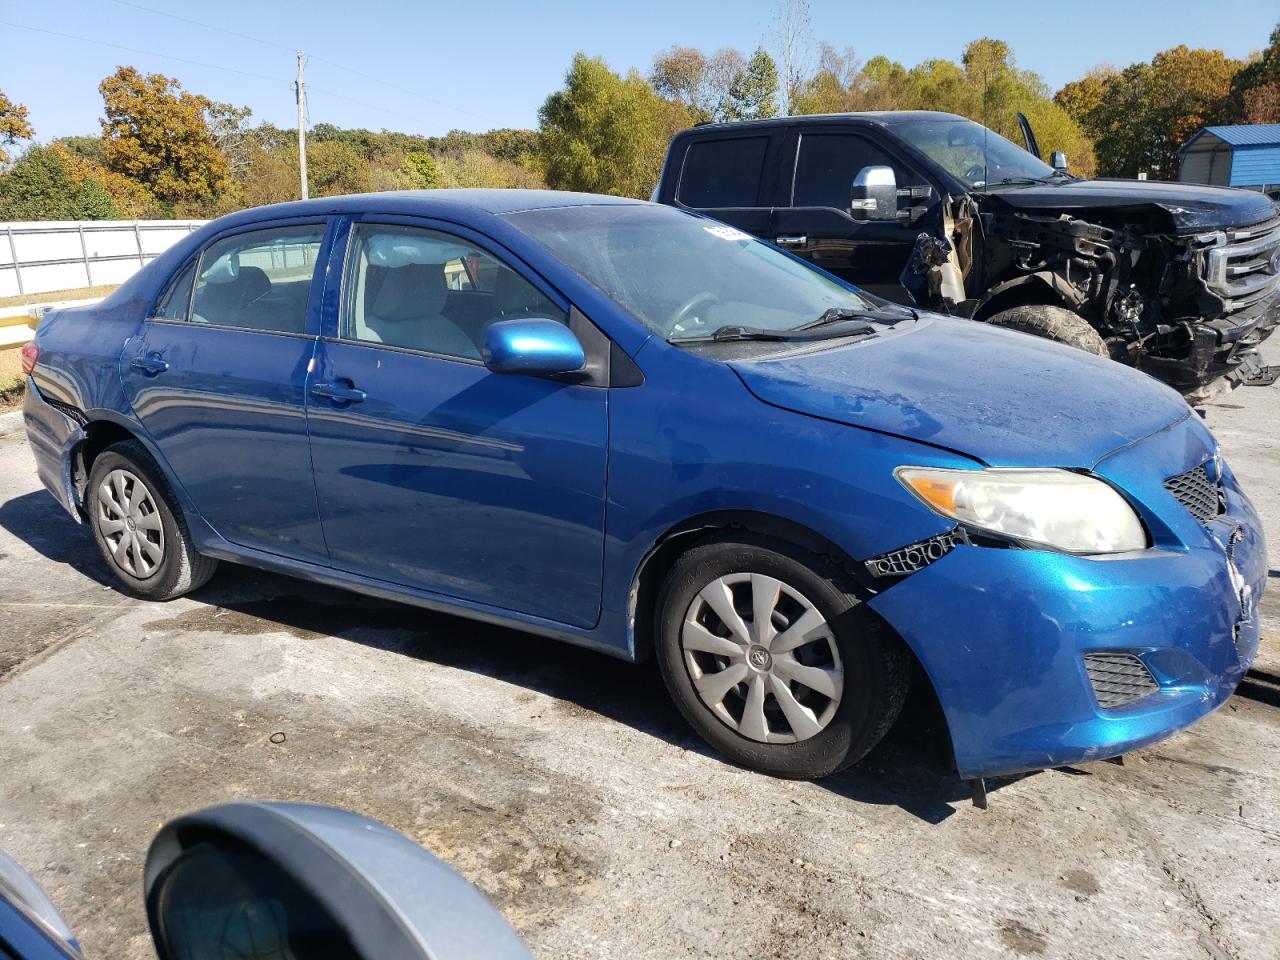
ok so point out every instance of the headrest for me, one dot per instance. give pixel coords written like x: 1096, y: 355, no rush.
x: 390, y: 250
x: 412, y: 292
x: 255, y: 283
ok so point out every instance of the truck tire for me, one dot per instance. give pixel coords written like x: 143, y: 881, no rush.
x: 1053, y: 323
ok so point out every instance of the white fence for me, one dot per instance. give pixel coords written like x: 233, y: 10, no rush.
x: 66, y: 254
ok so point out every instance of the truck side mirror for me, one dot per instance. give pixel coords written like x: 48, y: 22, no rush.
x: 1058, y: 161
x: 874, y: 195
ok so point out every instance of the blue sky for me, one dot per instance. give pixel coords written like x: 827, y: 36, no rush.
x: 427, y: 67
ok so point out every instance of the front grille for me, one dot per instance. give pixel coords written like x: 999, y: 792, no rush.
x: 1195, y: 490
x: 1118, y: 678
x: 1241, y: 265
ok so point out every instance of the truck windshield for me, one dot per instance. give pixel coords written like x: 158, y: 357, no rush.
x: 685, y: 276
x: 972, y: 153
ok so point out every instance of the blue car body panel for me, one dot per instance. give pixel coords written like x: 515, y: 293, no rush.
x: 536, y: 502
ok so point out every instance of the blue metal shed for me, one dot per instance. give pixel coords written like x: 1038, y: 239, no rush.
x: 1246, y: 155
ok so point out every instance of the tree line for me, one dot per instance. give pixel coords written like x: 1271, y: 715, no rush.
x: 164, y: 151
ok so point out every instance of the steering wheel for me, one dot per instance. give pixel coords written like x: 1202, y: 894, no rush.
x: 687, y: 308
x: 976, y: 173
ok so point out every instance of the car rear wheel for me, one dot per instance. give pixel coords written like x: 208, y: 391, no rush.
x: 1053, y: 323
x: 772, y: 659
x: 139, y: 528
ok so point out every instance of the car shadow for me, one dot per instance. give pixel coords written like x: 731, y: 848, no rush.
x: 37, y: 520
x: 909, y: 769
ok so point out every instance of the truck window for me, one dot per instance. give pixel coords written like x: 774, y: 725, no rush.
x: 722, y: 173
x: 827, y: 164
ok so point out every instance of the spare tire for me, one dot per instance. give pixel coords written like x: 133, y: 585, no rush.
x: 1053, y: 323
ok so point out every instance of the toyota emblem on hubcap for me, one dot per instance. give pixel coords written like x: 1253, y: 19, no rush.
x: 759, y: 658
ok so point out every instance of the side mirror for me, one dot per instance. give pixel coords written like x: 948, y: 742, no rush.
x: 312, y: 883
x: 874, y: 195
x: 1058, y: 160
x: 536, y: 346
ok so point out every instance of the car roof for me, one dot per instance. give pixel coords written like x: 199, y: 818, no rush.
x: 883, y: 118
x: 454, y: 202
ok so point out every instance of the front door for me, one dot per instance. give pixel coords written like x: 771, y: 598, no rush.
x: 816, y: 223
x: 217, y: 378
x: 433, y: 472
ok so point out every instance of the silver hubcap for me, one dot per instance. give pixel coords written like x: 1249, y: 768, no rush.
x: 130, y: 524
x: 762, y: 658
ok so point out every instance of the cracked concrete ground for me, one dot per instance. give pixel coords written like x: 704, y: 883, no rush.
x: 566, y: 787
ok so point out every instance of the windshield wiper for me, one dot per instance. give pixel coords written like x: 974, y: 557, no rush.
x: 735, y: 332
x: 838, y: 314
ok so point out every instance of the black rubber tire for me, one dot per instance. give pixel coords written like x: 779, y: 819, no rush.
x: 181, y: 569
x: 1053, y: 323
x: 875, y: 665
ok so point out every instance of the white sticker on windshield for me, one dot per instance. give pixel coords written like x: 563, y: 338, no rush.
x: 727, y: 233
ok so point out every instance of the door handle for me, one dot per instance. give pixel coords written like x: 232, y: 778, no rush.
x: 791, y: 241
x: 152, y: 363
x: 340, y: 391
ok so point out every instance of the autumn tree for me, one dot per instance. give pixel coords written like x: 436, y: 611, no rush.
x: 1255, y: 89
x: 159, y: 135
x: 606, y: 133
x: 1138, y: 117
x: 47, y: 183
x: 14, y: 125
x: 699, y: 81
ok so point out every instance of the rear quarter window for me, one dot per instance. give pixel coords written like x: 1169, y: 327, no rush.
x: 725, y: 172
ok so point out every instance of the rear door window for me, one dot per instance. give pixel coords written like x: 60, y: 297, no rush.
x: 725, y: 172
x: 827, y: 164
x: 259, y: 280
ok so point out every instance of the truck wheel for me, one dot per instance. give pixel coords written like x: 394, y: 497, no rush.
x: 1053, y: 323
x: 772, y: 659
x: 139, y: 528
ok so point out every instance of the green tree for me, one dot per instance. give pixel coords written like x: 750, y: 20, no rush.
x: 334, y: 168
x: 422, y: 170
x: 46, y: 183
x: 158, y: 134
x: 605, y: 133
x: 14, y: 125
x: 753, y: 95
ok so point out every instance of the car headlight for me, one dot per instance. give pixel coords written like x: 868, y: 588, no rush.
x: 1053, y: 508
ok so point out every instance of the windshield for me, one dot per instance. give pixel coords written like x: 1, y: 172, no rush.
x: 972, y: 153
x: 685, y: 276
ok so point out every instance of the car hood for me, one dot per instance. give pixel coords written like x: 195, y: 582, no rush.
x: 1190, y: 206
x: 1001, y: 397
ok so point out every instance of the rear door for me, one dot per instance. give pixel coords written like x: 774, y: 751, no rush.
x: 814, y: 221
x: 217, y: 377
x: 731, y: 178
x: 431, y: 471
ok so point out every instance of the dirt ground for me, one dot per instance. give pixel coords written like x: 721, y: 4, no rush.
x: 566, y: 787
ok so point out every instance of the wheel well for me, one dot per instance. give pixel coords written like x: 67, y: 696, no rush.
x: 928, y: 723
x: 656, y: 564
x: 1019, y: 295
x: 98, y: 435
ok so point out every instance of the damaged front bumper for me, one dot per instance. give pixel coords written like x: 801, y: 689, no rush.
x: 1041, y: 659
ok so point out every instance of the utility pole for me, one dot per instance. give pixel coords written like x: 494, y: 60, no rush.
x: 301, y: 90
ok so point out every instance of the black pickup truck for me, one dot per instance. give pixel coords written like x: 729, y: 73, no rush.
x: 1178, y: 280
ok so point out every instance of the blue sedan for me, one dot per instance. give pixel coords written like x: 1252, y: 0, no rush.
x: 632, y: 428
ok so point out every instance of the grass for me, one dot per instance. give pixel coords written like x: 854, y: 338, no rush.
x: 79, y: 293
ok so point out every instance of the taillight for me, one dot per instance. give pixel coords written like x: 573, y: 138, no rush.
x: 30, y: 354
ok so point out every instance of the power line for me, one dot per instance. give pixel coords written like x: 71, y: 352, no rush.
x: 200, y: 23
x: 145, y: 53
x: 333, y: 63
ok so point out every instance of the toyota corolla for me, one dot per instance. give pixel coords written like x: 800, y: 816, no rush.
x: 632, y: 428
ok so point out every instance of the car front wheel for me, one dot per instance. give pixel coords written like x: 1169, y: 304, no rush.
x: 770, y: 656
x: 138, y: 526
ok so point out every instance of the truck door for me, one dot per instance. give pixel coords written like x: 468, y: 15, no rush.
x: 731, y: 178
x: 815, y: 222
